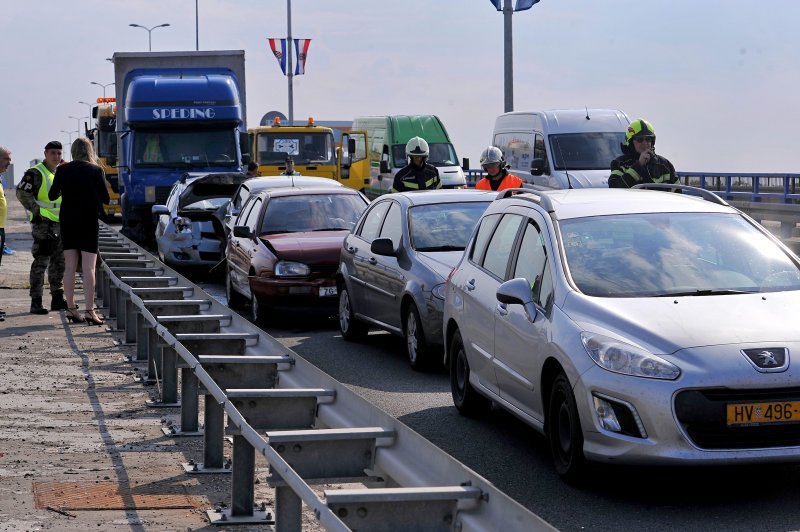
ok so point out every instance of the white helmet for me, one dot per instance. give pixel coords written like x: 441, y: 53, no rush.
x: 492, y: 155
x: 417, y: 147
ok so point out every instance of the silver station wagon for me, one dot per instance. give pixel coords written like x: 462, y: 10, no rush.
x: 630, y: 326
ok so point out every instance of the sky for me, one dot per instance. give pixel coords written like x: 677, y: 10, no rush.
x: 717, y: 78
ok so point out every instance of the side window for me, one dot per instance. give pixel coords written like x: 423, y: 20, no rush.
x: 393, y: 225
x: 532, y: 262
x: 242, y: 217
x: 540, y: 152
x: 361, y: 146
x: 517, y: 148
x: 170, y: 203
x: 239, y: 200
x: 252, y: 215
x: 501, y: 245
x: 372, y: 221
x: 482, y: 238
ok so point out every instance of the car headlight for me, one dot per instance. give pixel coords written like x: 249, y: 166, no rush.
x: 291, y: 269
x: 439, y: 290
x: 619, y: 357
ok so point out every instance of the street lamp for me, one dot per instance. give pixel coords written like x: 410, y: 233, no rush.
x: 78, y: 118
x: 149, y: 33
x: 89, y: 105
x: 69, y: 133
x: 104, y: 85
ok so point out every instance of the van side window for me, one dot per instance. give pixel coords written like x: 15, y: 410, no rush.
x: 517, y: 147
x: 540, y: 152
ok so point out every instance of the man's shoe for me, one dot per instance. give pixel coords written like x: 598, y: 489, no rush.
x: 36, y: 306
x: 7, y: 250
x: 57, y: 302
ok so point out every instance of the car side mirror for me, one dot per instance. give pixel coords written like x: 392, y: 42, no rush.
x: 159, y: 210
x: 465, y: 164
x: 518, y: 292
x: 383, y: 246
x: 537, y: 166
x: 242, y: 231
x: 384, y: 167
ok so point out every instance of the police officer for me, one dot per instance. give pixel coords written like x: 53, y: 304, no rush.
x: 497, y: 176
x: 417, y: 174
x: 639, y: 162
x: 48, y: 254
x: 290, y: 167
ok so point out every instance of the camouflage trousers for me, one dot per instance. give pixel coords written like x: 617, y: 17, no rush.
x: 48, y: 256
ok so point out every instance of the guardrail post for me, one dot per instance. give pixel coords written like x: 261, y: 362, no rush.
x: 153, y: 355
x: 243, y: 479
x: 122, y: 298
x: 132, y: 314
x: 169, y: 379
x: 141, y: 338
x: 288, y: 509
x: 213, y: 441
x: 112, y: 302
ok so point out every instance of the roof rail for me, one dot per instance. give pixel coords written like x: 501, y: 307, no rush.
x: 533, y: 193
x: 703, y: 193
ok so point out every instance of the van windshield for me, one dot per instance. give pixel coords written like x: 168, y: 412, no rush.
x: 441, y: 154
x: 586, y: 151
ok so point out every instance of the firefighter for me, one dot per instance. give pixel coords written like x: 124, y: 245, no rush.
x: 497, y: 176
x: 417, y: 174
x: 47, y: 251
x: 639, y: 162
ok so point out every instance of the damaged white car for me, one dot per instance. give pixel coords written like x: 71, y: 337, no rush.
x: 187, y: 232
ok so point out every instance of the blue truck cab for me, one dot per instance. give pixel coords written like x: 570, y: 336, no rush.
x: 174, y: 120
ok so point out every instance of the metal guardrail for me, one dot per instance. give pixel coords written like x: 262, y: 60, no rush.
x: 310, y: 428
x: 754, y: 187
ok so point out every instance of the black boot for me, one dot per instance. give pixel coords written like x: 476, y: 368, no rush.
x: 57, y: 302
x: 36, y: 306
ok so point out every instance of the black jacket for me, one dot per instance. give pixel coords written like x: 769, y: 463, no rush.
x: 413, y: 177
x: 627, y: 172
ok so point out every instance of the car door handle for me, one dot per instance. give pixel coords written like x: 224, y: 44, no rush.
x: 351, y: 249
x: 471, y: 285
x: 373, y: 260
x: 502, y: 309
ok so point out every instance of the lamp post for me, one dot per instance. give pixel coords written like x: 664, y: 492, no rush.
x: 69, y: 135
x: 104, y: 85
x: 87, y: 104
x: 149, y: 33
x: 78, y: 118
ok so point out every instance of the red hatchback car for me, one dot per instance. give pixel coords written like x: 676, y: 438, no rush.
x: 285, y: 246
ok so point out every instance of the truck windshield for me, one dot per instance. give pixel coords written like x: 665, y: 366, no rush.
x: 106, y: 137
x: 586, y: 151
x: 194, y: 147
x: 441, y: 154
x: 304, y: 147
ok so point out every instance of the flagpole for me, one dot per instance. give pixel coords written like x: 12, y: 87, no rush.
x: 508, y: 55
x: 289, y: 69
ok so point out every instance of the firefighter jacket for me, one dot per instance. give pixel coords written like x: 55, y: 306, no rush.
x: 413, y: 177
x: 627, y: 172
x: 506, y: 181
x: 33, y: 190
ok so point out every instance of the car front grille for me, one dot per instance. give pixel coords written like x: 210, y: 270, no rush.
x: 702, y: 413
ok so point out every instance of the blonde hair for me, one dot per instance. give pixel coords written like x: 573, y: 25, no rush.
x: 82, y: 150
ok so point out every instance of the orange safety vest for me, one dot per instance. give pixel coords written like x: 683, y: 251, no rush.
x: 509, y: 181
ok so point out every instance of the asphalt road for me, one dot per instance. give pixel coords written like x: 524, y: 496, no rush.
x: 516, y: 459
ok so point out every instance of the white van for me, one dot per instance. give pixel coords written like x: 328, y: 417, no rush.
x: 568, y: 148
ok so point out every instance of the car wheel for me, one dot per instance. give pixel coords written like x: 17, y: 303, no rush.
x: 256, y: 314
x: 235, y: 300
x: 351, y: 328
x: 416, y: 346
x: 564, y: 431
x: 467, y: 400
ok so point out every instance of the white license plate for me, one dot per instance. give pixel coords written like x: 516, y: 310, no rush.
x: 113, y: 202
x: 327, y: 291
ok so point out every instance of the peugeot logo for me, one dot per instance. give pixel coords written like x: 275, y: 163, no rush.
x: 768, y: 360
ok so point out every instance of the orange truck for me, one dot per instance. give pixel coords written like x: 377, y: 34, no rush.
x: 104, y: 139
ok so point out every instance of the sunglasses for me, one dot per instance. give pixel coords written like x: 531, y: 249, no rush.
x: 645, y: 138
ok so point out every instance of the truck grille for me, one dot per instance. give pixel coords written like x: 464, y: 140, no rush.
x: 162, y: 193
x: 702, y: 413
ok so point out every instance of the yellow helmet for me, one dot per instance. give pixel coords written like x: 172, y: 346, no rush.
x: 639, y: 128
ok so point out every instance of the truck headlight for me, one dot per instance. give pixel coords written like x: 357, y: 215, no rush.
x: 291, y: 269
x: 620, y: 357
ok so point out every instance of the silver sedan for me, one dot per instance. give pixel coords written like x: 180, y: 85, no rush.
x: 630, y: 326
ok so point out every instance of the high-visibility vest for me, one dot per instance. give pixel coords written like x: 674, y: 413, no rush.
x: 152, y: 151
x: 47, y: 209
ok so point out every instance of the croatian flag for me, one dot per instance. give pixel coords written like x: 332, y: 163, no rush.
x: 301, y: 53
x: 521, y: 5
x: 279, y: 51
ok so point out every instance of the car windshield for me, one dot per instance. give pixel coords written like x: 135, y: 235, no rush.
x: 304, y: 147
x: 443, y: 226
x: 672, y: 254
x: 441, y: 154
x: 312, y: 212
x: 586, y: 151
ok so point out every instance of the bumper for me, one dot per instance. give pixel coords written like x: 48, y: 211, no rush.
x: 318, y: 293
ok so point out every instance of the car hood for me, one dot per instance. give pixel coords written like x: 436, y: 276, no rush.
x: 440, y: 262
x: 309, y: 248
x: 668, y: 324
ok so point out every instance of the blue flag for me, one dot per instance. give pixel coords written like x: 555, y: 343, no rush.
x: 521, y: 5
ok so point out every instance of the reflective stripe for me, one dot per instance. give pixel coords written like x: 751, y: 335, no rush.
x: 47, y: 209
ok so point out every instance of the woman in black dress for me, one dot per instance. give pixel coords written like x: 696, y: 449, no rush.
x: 82, y: 185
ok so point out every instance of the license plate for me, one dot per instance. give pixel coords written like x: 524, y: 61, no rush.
x: 113, y: 202
x: 327, y: 291
x: 763, y: 413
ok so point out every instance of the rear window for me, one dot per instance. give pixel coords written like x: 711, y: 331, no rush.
x: 444, y: 226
